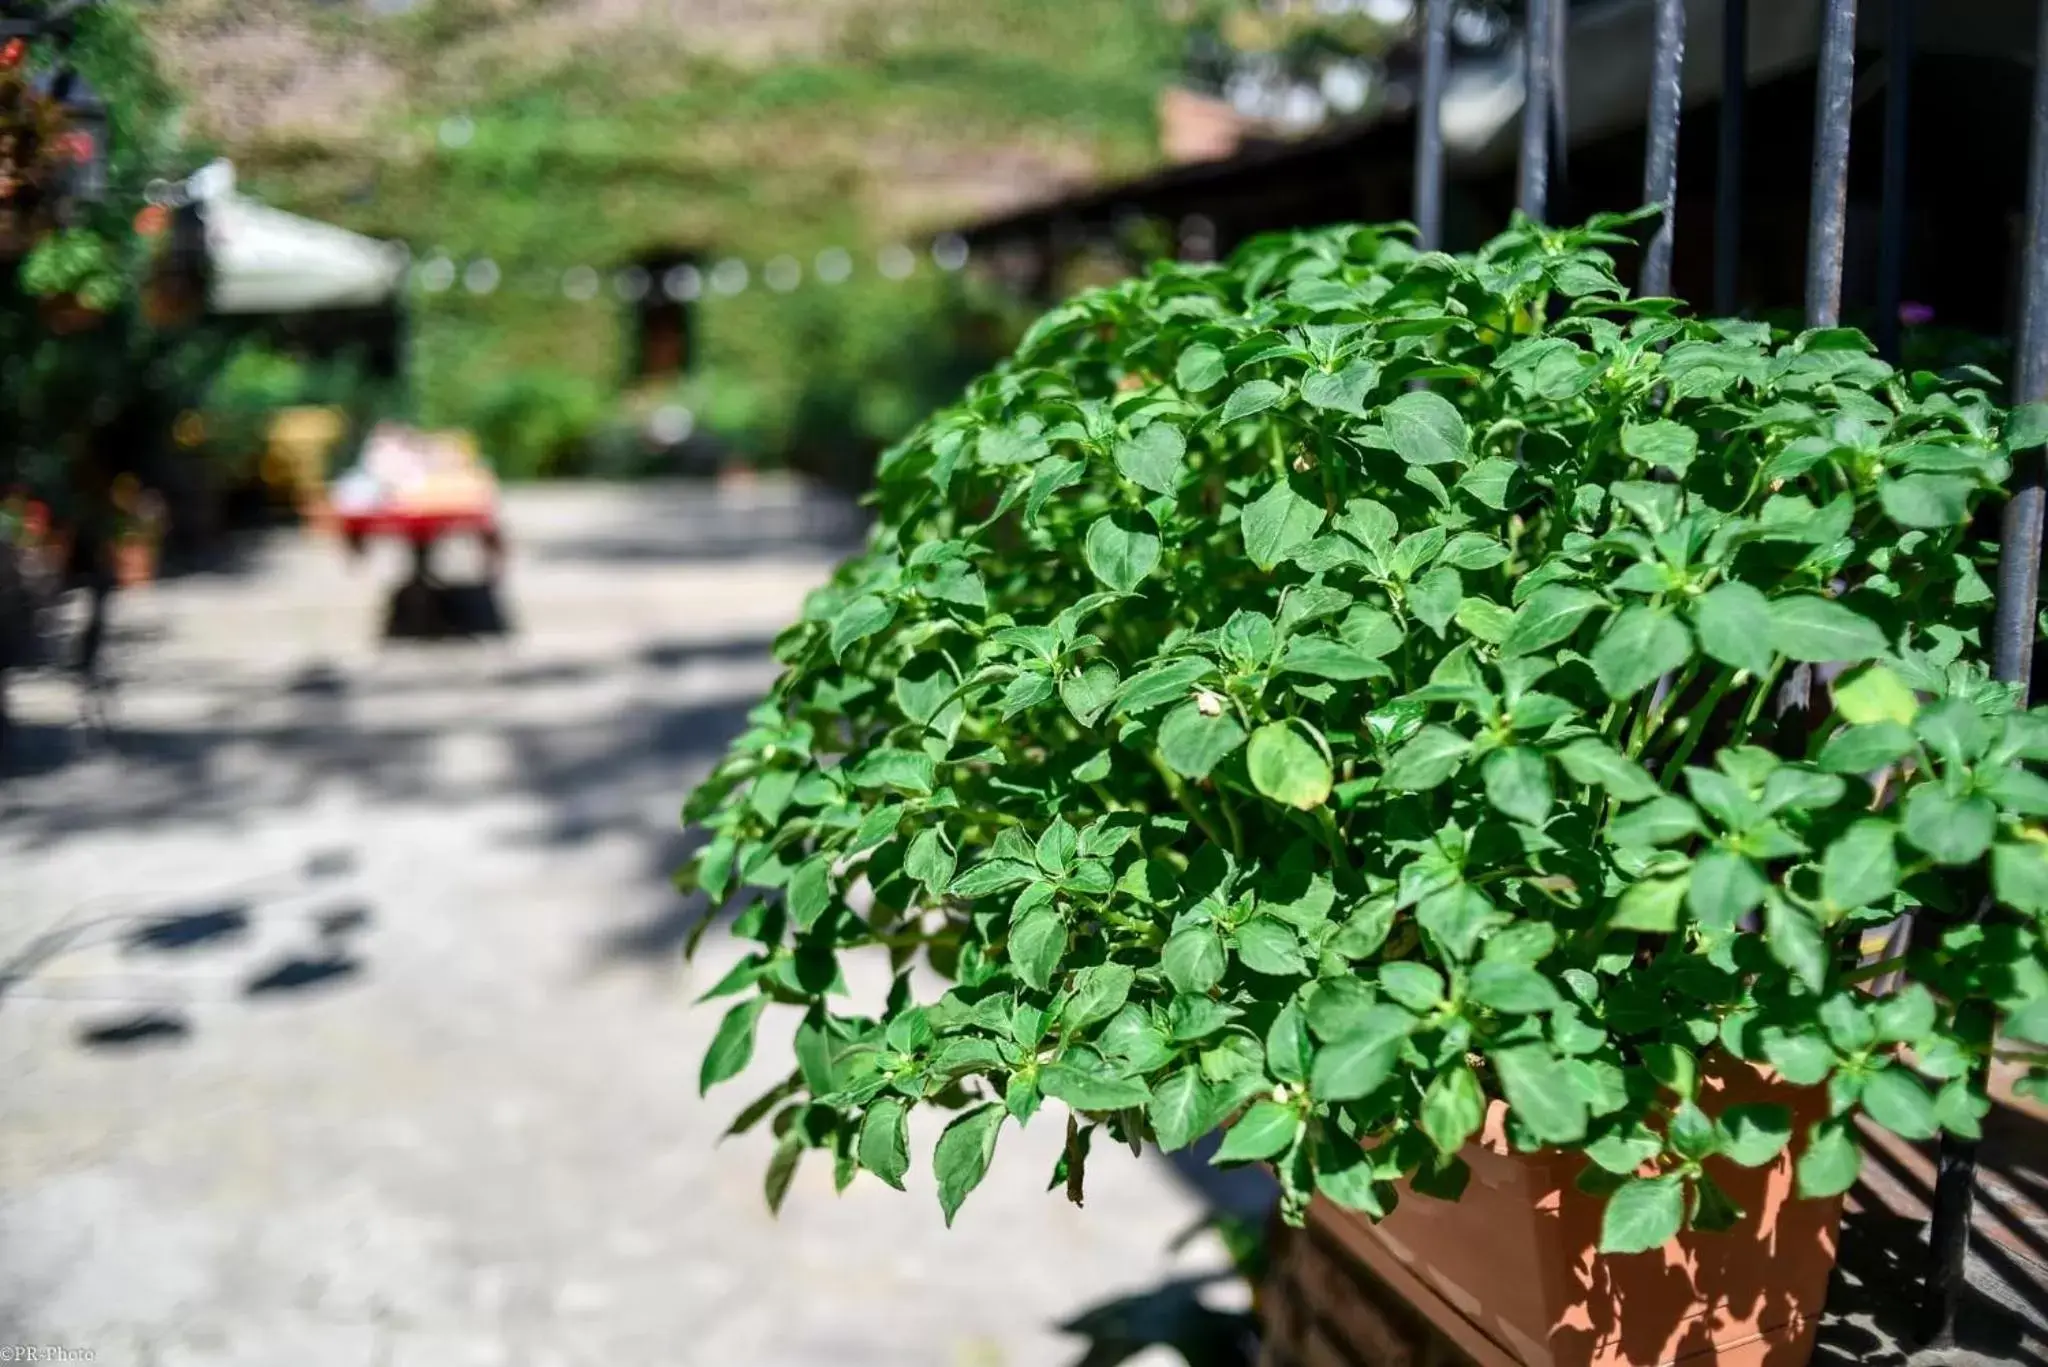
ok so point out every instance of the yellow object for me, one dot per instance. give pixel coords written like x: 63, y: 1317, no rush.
x: 300, y: 441
x: 189, y: 430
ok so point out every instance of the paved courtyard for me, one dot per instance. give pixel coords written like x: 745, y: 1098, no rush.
x: 342, y: 1019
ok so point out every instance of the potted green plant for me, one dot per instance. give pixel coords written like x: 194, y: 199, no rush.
x: 1419, y: 713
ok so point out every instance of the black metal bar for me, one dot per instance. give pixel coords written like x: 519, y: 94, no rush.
x: 1660, y: 163
x: 2019, y: 561
x: 1429, y: 125
x: 1835, y: 78
x: 1536, y: 52
x: 1728, y: 170
x: 2012, y: 652
x: 1891, y: 237
x: 1557, y: 190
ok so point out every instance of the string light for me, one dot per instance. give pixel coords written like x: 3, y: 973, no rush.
x: 896, y: 261
x: 729, y: 276
x: 833, y: 265
x: 949, y: 252
x: 682, y: 283
x: 782, y: 274
x: 481, y: 277
x: 631, y: 284
x: 436, y: 274
x: 580, y: 283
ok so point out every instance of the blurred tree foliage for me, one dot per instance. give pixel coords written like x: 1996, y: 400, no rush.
x: 544, y: 136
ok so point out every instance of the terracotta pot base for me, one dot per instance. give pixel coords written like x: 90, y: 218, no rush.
x: 1510, y: 1277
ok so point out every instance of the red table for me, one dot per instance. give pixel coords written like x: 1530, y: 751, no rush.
x: 416, y: 605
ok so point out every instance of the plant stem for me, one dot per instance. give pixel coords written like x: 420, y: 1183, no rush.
x: 1696, y: 722
x: 1182, y: 796
x: 1756, y: 703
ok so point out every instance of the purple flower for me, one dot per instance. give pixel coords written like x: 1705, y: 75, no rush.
x: 1914, y: 314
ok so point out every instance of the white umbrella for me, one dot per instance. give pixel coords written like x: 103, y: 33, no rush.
x: 265, y: 260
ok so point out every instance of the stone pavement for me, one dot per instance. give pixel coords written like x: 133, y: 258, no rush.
x: 341, y: 1019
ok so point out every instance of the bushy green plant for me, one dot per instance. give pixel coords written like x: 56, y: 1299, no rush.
x: 1329, y: 692
x: 537, y: 423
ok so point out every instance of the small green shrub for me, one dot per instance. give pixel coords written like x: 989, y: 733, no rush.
x: 1330, y: 692
x: 534, y: 424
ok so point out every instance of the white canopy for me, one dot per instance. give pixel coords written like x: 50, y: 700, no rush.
x: 265, y: 260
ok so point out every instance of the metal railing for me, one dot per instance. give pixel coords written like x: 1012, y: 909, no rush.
x: 2019, y: 569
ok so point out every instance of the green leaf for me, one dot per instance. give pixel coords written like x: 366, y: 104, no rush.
x: 1357, y: 1062
x: 1906, y: 1016
x: 810, y: 891
x: 1154, y: 459
x: 1734, y: 624
x: 1121, y: 552
x: 1253, y: 396
x: 2019, y: 875
x: 1540, y: 1092
x: 1861, y: 866
x: 1432, y: 756
x: 1952, y: 830
x: 1179, y: 1109
x: 1345, y: 391
x: 963, y: 1153
x: 1488, y: 481
x: 1755, y: 1133
x: 1831, y: 1161
x: 1414, y: 985
x: 1593, y: 761
x: 1426, y: 429
x: 1638, y: 646
x: 1278, y: 523
x: 993, y: 876
x: 1663, y: 443
x: 929, y: 861
x: 1289, y: 1049
x: 1821, y: 630
x: 1512, y: 988
x: 1193, y: 959
x: 1089, y: 1089
x: 1269, y: 946
x: 1551, y: 615
x: 732, y: 1046
x: 1157, y: 685
x: 1268, y: 1128
x: 1192, y: 742
x: 1056, y: 847
x: 1650, y: 905
x: 1657, y: 822
x: 1796, y: 942
x: 1645, y: 1213
x: 884, y: 1145
x: 1327, y: 657
x: 1895, y: 1099
x: 1723, y: 887
x: 1089, y: 692
x: 1453, y: 1108
x: 1037, y: 943
x: 1931, y: 501
x: 1874, y: 694
x: 1434, y: 598
x: 858, y: 620
x: 1200, y: 368
x: 1865, y: 749
x: 1518, y: 783
x: 1287, y: 768
x: 1099, y: 992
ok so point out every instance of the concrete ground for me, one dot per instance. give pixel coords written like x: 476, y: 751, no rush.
x: 342, y: 1019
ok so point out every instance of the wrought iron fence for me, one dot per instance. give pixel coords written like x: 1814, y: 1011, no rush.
x: 2019, y: 571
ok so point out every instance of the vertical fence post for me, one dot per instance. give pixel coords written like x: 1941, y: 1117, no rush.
x: 1834, y: 79
x: 1536, y: 53
x: 2012, y: 652
x: 1660, y: 161
x: 1557, y: 188
x: 1728, y: 165
x: 1429, y: 126
x: 1891, y: 241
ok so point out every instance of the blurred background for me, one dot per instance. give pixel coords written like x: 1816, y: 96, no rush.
x: 418, y: 417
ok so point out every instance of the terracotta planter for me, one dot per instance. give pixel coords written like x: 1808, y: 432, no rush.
x: 1194, y: 128
x: 1509, y: 1276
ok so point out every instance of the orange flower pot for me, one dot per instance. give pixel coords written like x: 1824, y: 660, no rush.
x: 1510, y: 1275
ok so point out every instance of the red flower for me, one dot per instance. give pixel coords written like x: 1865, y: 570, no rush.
x: 77, y: 145
x: 152, y: 220
x: 11, y: 54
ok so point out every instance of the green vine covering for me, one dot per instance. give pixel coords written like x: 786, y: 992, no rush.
x: 1326, y: 693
